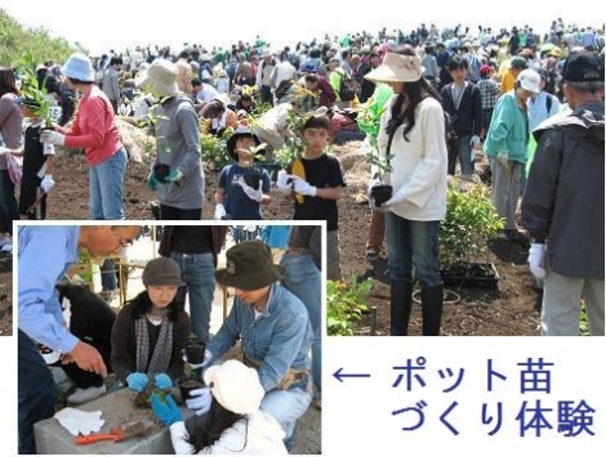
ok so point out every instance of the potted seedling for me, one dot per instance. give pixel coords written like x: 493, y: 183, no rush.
x: 143, y: 399
x: 252, y: 176
x: 194, y: 349
x: 35, y: 91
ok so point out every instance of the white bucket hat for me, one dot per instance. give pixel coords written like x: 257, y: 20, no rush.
x: 160, y: 78
x: 78, y: 66
x: 235, y: 386
x: 397, y: 68
x: 530, y: 80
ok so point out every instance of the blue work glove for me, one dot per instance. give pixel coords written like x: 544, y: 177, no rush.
x: 137, y: 381
x: 163, y: 381
x: 200, y: 401
x: 152, y: 182
x: 166, y: 411
x: 174, y: 176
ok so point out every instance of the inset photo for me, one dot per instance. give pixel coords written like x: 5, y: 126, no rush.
x: 169, y: 339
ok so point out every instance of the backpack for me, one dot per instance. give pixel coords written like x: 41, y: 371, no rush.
x: 347, y: 87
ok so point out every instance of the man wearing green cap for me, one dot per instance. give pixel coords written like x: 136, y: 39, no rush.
x: 275, y: 333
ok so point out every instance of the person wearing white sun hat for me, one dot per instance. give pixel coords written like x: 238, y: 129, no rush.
x: 506, y: 146
x: 412, y: 133
x: 177, y: 175
x: 94, y: 129
x: 235, y: 424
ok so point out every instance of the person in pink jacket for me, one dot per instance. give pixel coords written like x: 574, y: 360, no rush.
x: 94, y: 129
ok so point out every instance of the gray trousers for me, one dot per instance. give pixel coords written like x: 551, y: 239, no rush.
x: 506, y: 189
x: 562, y: 305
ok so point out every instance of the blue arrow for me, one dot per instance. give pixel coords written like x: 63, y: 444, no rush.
x: 337, y: 374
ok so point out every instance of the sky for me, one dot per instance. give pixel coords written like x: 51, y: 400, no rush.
x: 118, y: 24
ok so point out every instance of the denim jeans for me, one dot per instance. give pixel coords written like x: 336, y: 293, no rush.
x: 109, y: 279
x: 465, y: 160
x: 413, y: 243
x: 286, y: 406
x: 303, y: 279
x: 9, y: 208
x: 35, y: 390
x: 198, y: 273
x: 106, y: 187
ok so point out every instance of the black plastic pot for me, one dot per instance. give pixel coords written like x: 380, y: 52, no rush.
x: 194, y: 351
x: 473, y: 275
x: 161, y: 171
x: 381, y: 194
x: 252, y: 178
x: 186, y: 386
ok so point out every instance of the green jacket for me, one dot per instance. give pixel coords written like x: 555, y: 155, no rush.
x: 508, y: 129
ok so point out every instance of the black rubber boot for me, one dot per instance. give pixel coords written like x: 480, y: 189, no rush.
x: 401, y: 304
x: 431, y: 302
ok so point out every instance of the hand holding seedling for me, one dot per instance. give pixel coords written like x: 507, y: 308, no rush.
x: 52, y: 137
x: 165, y: 410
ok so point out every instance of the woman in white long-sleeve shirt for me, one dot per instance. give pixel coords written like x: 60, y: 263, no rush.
x: 412, y: 133
x: 234, y: 424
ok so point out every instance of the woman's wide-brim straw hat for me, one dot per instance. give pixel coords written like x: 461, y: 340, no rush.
x: 397, y: 68
x: 160, y: 78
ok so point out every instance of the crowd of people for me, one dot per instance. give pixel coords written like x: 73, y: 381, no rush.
x: 533, y: 105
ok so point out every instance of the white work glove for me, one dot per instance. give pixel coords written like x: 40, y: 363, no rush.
x: 536, y: 259
x: 51, y: 137
x: 475, y: 142
x: 303, y: 187
x: 47, y: 183
x: 4, y: 150
x: 283, y: 183
x: 220, y: 212
x: 207, y: 356
x: 503, y: 157
x: 201, y: 401
x: 251, y: 192
x: 79, y: 422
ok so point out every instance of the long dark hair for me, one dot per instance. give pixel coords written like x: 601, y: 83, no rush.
x: 218, y: 419
x: 415, y: 92
x: 141, y: 305
x: 7, y: 82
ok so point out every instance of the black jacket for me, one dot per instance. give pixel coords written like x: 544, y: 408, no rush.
x: 563, y: 202
x: 467, y: 120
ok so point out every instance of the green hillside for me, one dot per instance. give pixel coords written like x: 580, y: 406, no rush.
x: 15, y: 41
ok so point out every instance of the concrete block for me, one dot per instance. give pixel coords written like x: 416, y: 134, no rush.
x: 117, y: 409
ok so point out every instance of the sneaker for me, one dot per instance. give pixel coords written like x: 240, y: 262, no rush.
x: 317, y: 403
x: 81, y: 396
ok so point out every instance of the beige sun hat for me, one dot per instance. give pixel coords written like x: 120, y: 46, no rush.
x: 397, y: 68
x: 160, y: 78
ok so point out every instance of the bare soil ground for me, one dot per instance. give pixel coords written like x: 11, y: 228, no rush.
x: 511, y: 309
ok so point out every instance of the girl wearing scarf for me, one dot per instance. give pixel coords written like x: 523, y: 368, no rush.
x: 150, y: 331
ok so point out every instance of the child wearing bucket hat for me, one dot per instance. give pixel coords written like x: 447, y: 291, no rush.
x: 275, y: 332
x: 234, y: 424
x: 243, y: 185
x: 177, y: 175
x: 150, y: 330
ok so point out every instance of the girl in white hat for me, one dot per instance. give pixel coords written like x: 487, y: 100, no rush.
x: 234, y: 424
